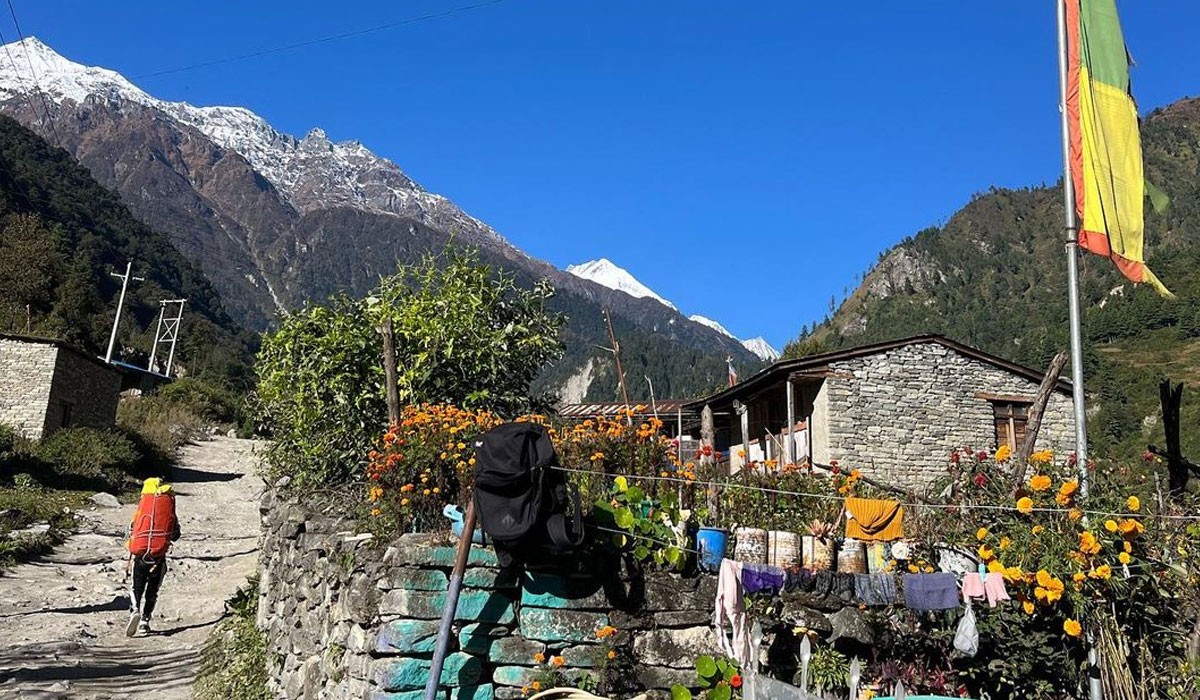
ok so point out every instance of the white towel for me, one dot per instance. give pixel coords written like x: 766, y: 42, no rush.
x: 730, y: 610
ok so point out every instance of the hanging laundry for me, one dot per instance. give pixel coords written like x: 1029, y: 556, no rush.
x: 762, y: 578
x: 990, y: 586
x: 874, y: 520
x: 931, y: 591
x: 800, y: 580
x: 730, y: 613
x: 875, y: 589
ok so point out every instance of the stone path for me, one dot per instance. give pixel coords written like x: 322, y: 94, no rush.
x: 62, y: 617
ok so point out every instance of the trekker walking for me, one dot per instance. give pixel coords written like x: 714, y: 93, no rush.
x: 153, y: 528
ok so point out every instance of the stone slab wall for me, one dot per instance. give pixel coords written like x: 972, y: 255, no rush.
x: 898, y: 414
x: 86, y: 390
x: 349, y: 618
x: 26, y: 372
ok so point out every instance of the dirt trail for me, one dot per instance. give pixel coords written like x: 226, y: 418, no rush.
x: 62, y: 617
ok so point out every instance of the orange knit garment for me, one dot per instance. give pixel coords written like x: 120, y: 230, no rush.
x: 874, y: 520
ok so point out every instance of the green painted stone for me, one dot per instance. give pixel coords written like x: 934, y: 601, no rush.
x: 477, y: 637
x: 514, y: 650
x: 549, y: 591
x: 410, y: 674
x: 518, y: 676
x: 418, y: 580
x: 475, y: 606
x: 406, y: 695
x: 584, y: 656
x: 407, y: 637
x: 491, y: 579
x: 549, y: 625
x: 485, y: 691
x: 417, y: 553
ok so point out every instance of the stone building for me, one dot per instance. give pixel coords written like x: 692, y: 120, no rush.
x: 46, y: 385
x: 895, y: 409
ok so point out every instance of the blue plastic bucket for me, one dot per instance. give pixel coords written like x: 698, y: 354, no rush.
x: 455, y: 515
x: 711, y: 543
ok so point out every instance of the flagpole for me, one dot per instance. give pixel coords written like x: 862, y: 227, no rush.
x: 1072, y: 247
x: 1095, y: 690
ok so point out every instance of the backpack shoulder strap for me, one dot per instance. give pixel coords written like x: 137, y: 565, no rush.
x: 562, y: 534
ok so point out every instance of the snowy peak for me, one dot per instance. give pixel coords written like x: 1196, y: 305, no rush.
x: 704, y: 321
x: 311, y: 173
x: 607, y: 274
x: 759, y: 346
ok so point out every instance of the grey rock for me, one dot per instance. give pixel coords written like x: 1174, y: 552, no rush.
x: 674, y: 648
x: 850, y: 623
x: 105, y: 500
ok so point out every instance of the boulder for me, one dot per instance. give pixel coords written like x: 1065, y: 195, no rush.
x: 850, y: 623
x: 674, y: 648
x: 105, y: 500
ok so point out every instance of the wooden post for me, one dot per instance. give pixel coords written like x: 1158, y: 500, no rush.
x: 389, y: 372
x: 791, y: 419
x: 744, y: 411
x: 1034, y: 423
x: 616, y: 350
x: 706, y: 440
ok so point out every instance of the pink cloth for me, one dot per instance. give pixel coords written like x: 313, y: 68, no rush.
x: 731, y: 611
x: 992, y: 587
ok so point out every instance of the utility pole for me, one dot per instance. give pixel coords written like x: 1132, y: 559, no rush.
x: 112, y: 339
x: 616, y: 351
x: 166, y: 332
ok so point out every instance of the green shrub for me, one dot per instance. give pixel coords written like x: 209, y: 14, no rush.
x: 234, y: 665
x: 8, y: 440
x: 210, y: 402
x: 160, y: 424
x: 89, y: 454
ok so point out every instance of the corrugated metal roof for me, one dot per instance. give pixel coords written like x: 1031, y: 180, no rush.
x: 611, y: 408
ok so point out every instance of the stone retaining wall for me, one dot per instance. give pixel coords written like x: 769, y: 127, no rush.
x: 348, y: 618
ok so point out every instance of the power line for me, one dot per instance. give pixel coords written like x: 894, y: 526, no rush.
x: 33, y: 74
x: 321, y: 40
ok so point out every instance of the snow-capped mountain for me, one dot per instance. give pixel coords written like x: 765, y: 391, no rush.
x: 705, y: 321
x: 310, y: 173
x: 607, y: 273
x: 604, y: 272
x: 759, y: 346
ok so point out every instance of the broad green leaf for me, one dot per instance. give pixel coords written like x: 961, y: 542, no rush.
x: 706, y: 667
x: 721, y: 692
x: 678, y: 692
x: 624, y: 518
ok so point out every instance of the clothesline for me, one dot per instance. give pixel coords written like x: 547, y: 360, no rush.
x: 830, y: 497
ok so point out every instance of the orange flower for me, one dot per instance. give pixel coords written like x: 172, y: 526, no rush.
x: 986, y: 553
x: 612, y: 654
x: 1131, y: 528
x: 539, y: 657
x: 1103, y: 572
x: 1074, y: 515
x: 1040, y: 482
x: 1088, y: 544
x: 1110, y: 525
x: 1072, y: 627
x: 1027, y: 606
x: 557, y: 661
x: 981, y: 534
x: 1025, y: 505
x: 1134, y: 503
x: 1124, y: 558
x: 1005, y: 543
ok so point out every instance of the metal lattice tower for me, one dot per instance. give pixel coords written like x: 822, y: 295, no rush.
x: 167, y: 332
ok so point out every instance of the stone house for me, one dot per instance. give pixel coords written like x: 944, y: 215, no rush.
x: 896, y: 409
x: 46, y: 385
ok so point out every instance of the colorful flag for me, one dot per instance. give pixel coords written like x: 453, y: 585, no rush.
x: 1105, y: 148
x: 732, y: 372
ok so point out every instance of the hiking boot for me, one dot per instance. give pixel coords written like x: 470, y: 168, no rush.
x: 135, y: 621
x: 144, y: 627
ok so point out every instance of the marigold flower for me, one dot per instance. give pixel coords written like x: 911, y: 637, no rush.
x: 1040, y: 482
x: 1025, y: 505
x: 1041, y: 457
x: 1027, y: 606
x: 995, y: 567
x: 1037, y: 529
x: 536, y: 685
x: 981, y: 533
x: 1110, y: 525
x: 557, y: 661
x: 403, y: 501
x: 1005, y: 543
x: 1074, y: 514
x: 1088, y: 544
x: 1131, y: 528
x: 539, y: 657
x: 1124, y: 558
x: 1079, y: 577
x: 612, y: 654
x: 986, y: 553
x: 1003, y: 453
x: 1133, y: 503
x: 1127, y: 547
x: 1104, y: 572
x: 1072, y: 627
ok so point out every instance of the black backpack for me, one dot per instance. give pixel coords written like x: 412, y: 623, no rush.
x: 524, y: 504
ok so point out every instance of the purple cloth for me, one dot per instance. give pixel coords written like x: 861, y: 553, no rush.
x: 931, y: 591
x: 760, y: 578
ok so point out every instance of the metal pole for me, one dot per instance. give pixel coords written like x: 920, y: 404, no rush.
x: 175, y: 337
x: 1095, y: 690
x: 451, y: 606
x: 112, y: 338
x: 791, y: 419
x: 1072, y: 248
x: 162, y: 311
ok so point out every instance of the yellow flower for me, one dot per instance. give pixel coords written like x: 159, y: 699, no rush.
x: 1124, y: 558
x: 612, y: 654
x: 1110, y: 525
x: 986, y: 553
x: 1037, y: 529
x: 403, y: 501
x: 539, y: 657
x: 1025, y: 505
x: 981, y: 533
x: 1104, y: 572
x: 1040, y: 482
x: 1074, y: 514
x: 1027, y: 606
x: 557, y: 661
x: 1088, y: 544
x: 1041, y: 457
x: 1133, y: 503
x: 1079, y: 577
x: 536, y: 685
x: 375, y: 512
x: 1131, y: 528
x: 912, y: 569
x: 1005, y: 543
x: 1003, y: 453
x: 1072, y: 627
x: 995, y: 567
x: 1127, y: 547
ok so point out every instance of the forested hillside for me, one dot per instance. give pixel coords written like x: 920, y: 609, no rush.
x: 994, y: 276
x: 61, y: 234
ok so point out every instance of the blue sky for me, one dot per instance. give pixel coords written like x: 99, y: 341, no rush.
x: 746, y: 160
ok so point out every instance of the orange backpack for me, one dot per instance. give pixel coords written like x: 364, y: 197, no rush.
x: 153, y: 523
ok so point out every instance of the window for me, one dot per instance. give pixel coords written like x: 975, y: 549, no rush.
x: 65, y: 413
x: 1011, y: 418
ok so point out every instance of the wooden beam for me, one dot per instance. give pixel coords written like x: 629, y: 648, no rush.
x: 1033, y: 423
x: 389, y: 372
